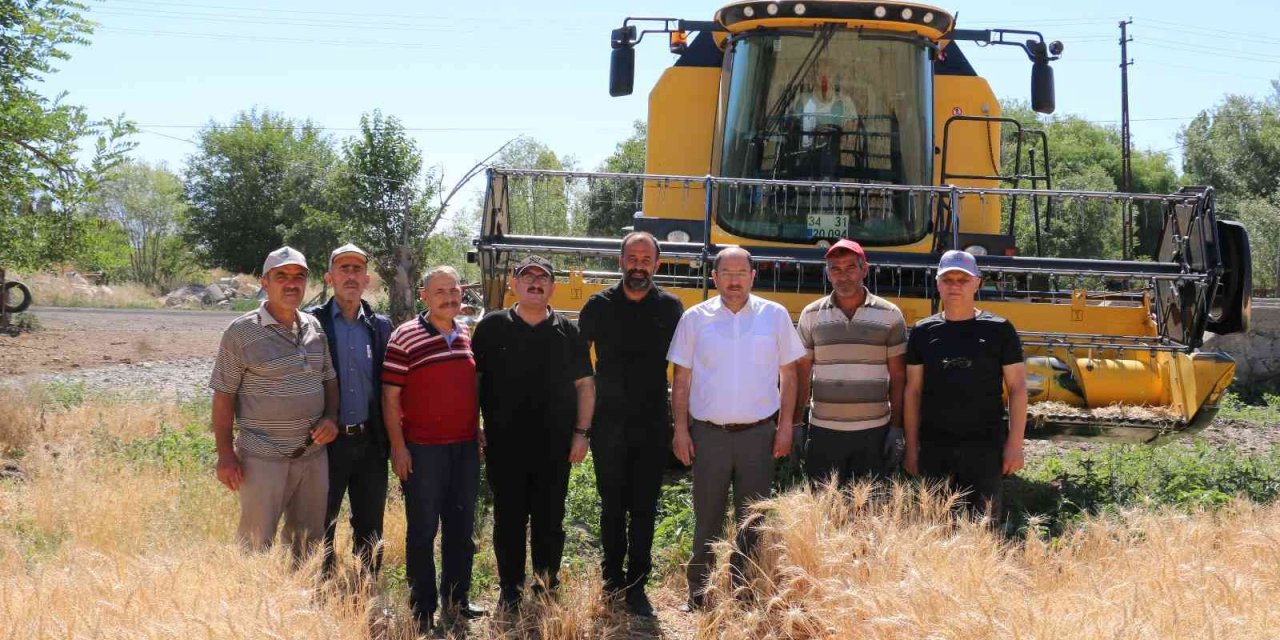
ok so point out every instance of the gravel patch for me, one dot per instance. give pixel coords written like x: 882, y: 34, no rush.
x: 178, y: 380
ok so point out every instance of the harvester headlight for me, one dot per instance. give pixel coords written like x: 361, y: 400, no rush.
x: 881, y: 12
x: 679, y: 235
x: 928, y: 17
x: 748, y: 11
x: 976, y: 249
x: 799, y: 8
x: 823, y: 244
x: 906, y: 14
x: 772, y: 9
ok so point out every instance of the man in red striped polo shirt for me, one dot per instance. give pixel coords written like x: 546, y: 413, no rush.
x: 432, y: 418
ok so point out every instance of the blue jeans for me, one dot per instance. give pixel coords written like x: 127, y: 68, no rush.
x: 440, y: 493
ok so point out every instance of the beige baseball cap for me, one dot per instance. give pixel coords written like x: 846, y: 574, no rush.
x: 285, y: 255
x: 345, y: 249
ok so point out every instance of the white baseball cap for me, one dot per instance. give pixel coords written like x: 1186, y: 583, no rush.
x: 285, y: 255
x: 345, y: 249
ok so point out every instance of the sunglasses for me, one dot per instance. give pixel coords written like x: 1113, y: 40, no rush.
x: 956, y: 363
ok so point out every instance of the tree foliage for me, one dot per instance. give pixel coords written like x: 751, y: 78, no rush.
x: 613, y: 203
x: 145, y: 201
x: 250, y: 182
x: 383, y: 196
x: 45, y: 176
x: 542, y: 206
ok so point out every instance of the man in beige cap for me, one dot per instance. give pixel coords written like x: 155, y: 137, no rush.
x: 358, y: 457
x: 274, y: 380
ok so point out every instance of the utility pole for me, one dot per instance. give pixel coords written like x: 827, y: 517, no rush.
x: 1126, y: 141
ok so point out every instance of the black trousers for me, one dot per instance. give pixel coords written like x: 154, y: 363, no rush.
x: 358, y: 468
x: 976, y: 469
x: 846, y: 455
x: 629, y: 460
x: 440, y: 496
x: 529, y: 484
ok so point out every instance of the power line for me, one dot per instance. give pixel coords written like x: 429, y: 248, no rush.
x: 260, y: 38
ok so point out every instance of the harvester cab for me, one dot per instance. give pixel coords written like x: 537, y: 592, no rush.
x: 784, y: 125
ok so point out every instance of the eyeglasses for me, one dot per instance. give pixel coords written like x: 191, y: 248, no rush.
x: 956, y: 363
x: 541, y: 278
x: 297, y: 453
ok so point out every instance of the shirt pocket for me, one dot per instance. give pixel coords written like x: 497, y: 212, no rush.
x: 763, y: 348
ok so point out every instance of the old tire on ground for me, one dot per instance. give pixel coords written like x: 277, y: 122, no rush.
x: 22, y: 289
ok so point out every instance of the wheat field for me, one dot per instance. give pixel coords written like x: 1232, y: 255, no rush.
x: 116, y: 529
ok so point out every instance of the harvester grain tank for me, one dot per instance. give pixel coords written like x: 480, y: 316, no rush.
x: 782, y: 126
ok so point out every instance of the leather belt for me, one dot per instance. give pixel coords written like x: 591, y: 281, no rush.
x: 737, y: 426
x: 351, y: 429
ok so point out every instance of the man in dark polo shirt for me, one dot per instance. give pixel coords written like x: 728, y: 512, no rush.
x: 433, y: 425
x: 537, y: 395
x: 959, y: 362
x: 631, y: 325
x: 358, y: 457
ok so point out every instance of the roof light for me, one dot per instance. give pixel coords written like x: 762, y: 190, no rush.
x: 928, y: 17
x: 799, y: 8
x: 906, y: 13
x: 881, y: 12
x: 748, y: 11
x: 772, y: 9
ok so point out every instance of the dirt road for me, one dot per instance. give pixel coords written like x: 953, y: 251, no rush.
x: 75, y: 338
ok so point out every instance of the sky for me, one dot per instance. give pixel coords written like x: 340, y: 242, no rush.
x: 465, y: 77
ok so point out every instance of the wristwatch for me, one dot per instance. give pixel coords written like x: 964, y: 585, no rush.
x: 586, y: 433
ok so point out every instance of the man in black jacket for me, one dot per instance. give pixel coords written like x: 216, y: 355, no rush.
x: 358, y: 457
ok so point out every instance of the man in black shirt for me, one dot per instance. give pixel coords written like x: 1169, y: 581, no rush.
x: 631, y: 325
x: 537, y: 397
x: 958, y: 363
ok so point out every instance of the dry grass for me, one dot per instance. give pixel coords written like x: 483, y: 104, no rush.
x: 895, y: 565
x: 53, y: 291
x: 1110, y: 412
x: 96, y: 544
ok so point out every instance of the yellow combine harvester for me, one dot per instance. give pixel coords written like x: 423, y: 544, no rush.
x: 784, y: 125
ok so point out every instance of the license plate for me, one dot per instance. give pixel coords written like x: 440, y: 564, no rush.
x: 828, y: 225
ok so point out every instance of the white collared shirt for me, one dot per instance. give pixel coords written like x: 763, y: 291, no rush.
x: 735, y: 358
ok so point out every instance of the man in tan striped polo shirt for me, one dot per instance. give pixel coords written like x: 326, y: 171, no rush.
x: 855, y: 344
x: 274, y: 380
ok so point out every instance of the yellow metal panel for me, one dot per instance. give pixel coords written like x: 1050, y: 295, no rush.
x: 682, y: 113
x: 973, y: 147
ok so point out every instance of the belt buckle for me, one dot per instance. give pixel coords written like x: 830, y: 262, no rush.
x: 352, y: 429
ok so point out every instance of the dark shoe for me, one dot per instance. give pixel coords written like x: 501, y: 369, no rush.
x: 509, y: 601
x: 693, y: 605
x: 638, y: 603
x: 425, y: 622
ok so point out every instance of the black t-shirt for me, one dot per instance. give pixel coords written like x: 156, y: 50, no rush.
x: 963, y: 377
x: 527, y: 376
x: 631, y: 340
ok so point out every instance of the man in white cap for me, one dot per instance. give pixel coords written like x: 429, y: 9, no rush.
x: 958, y: 364
x: 274, y: 382
x: 358, y: 457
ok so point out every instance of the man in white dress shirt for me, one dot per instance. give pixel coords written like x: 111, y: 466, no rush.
x: 734, y: 383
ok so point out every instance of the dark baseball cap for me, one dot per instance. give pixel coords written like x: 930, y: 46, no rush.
x: 535, y: 262
x: 845, y: 244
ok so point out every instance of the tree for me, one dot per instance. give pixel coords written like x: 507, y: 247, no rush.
x: 542, y: 206
x: 44, y: 176
x: 250, y: 182
x: 1087, y: 156
x: 384, y: 197
x: 613, y: 203
x: 146, y: 202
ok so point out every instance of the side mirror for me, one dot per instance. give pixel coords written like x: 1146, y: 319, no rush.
x: 1042, y: 96
x: 622, y: 71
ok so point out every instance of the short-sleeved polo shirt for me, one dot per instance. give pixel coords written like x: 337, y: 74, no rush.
x: 631, y: 339
x: 277, y: 376
x: 734, y: 358
x: 527, y: 375
x: 851, y: 361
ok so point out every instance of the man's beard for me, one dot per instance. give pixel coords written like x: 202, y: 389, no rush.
x: 638, y: 280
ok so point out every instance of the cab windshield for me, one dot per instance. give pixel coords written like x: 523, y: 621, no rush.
x: 831, y: 106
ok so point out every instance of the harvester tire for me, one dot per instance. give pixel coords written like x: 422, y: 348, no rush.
x: 10, y: 306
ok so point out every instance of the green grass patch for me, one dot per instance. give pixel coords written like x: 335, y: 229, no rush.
x: 1251, y: 405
